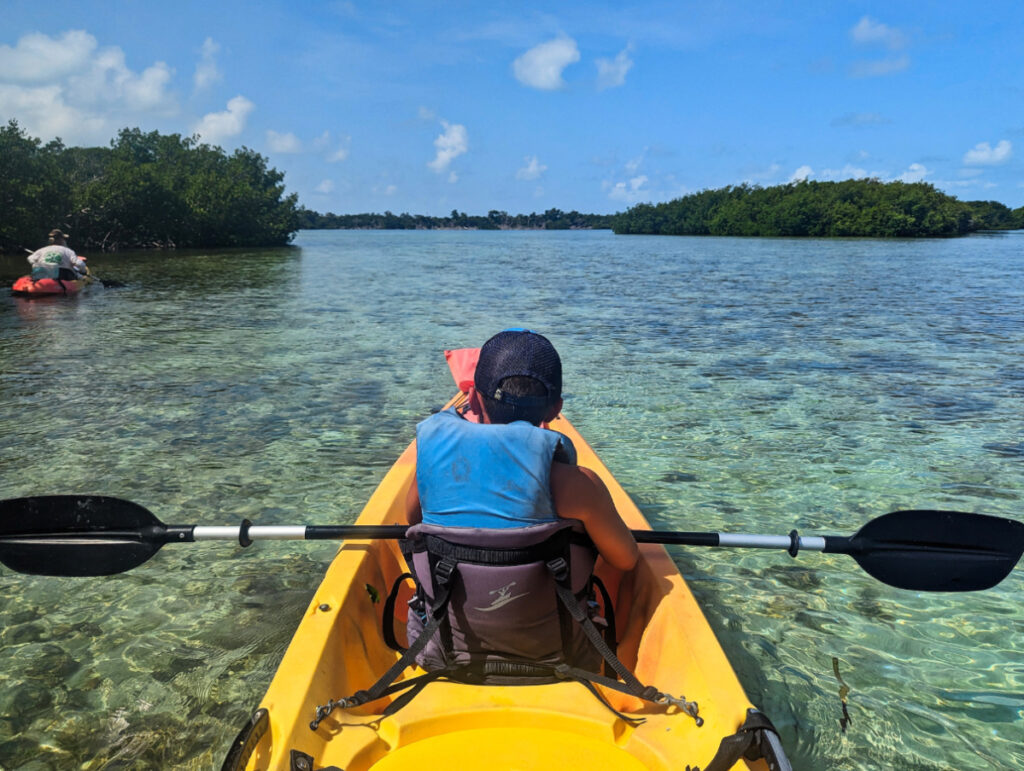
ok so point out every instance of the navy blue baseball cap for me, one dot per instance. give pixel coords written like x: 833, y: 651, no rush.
x: 518, y: 352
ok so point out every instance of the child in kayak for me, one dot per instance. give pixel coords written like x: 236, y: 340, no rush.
x: 57, y: 260
x: 492, y: 466
x: 505, y: 530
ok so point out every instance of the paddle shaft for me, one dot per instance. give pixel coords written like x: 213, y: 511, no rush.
x: 249, y: 532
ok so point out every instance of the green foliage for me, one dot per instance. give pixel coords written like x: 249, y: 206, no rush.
x: 992, y: 215
x: 33, y: 197
x: 861, y: 207
x: 146, y: 189
x: 552, y: 219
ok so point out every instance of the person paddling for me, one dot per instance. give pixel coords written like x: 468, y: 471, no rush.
x: 493, y: 466
x: 56, y: 260
x: 499, y: 501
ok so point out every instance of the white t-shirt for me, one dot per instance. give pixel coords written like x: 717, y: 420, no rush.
x: 51, y: 258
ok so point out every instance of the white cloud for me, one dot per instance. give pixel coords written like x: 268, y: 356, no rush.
x: 207, y: 73
x: 867, y: 31
x: 450, y: 144
x: 283, y: 143
x: 68, y: 86
x: 425, y: 113
x: 916, y: 172
x: 983, y: 154
x: 533, y: 168
x: 849, y: 171
x: 324, y: 143
x: 541, y: 67
x: 326, y: 186
x: 611, y: 73
x: 341, y: 152
x: 38, y: 58
x: 801, y: 174
x: 217, y: 126
x: 630, y: 191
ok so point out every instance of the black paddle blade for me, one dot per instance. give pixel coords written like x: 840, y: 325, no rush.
x: 76, y: 535
x: 937, y: 551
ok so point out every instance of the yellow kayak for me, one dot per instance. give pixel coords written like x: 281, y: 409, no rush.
x: 339, y: 648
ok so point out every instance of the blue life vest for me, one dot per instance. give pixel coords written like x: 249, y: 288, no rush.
x: 485, y: 475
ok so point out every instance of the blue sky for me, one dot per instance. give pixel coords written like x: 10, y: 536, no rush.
x: 429, y: 107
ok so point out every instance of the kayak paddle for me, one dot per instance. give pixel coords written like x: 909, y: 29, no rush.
x: 95, y: 535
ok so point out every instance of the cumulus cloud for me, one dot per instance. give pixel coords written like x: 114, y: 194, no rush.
x: 611, y: 73
x: 283, y: 143
x: 69, y: 86
x: 217, y: 126
x: 38, y: 58
x: 868, y: 31
x: 325, y: 144
x: 533, y: 168
x: 849, y: 171
x: 801, y: 174
x: 541, y: 67
x: 450, y: 144
x: 207, y: 72
x: 914, y: 173
x: 629, y: 191
x: 983, y: 154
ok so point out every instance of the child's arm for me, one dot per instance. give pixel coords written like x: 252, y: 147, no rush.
x: 580, y: 494
x: 413, y: 512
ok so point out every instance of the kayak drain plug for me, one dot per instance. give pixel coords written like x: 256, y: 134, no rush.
x: 325, y: 607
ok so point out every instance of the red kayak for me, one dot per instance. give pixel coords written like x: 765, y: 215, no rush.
x: 48, y: 287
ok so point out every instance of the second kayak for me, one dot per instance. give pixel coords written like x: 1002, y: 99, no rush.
x: 49, y: 287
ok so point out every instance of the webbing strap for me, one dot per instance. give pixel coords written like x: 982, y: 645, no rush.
x: 756, y: 738
x: 560, y: 572
x: 438, y: 612
x: 389, y: 614
x: 610, y: 632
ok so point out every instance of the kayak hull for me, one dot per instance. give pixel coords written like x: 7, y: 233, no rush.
x: 48, y: 287
x: 339, y: 649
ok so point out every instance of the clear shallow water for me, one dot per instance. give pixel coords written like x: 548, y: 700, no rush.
x: 747, y: 385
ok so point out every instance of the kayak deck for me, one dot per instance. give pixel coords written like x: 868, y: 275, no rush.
x: 339, y: 648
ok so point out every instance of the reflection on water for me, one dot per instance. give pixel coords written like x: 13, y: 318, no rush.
x: 751, y: 385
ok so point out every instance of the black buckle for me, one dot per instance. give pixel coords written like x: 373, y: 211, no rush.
x: 559, y: 568
x: 445, y: 570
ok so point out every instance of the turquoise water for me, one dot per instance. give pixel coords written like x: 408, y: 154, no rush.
x: 730, y: 384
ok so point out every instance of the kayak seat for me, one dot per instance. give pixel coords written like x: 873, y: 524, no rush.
x: 507, y: 606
